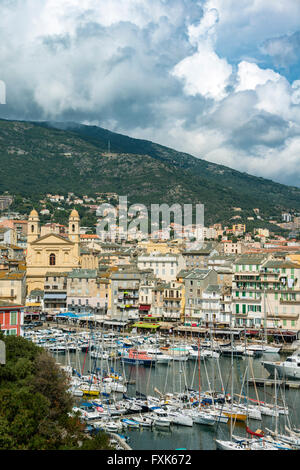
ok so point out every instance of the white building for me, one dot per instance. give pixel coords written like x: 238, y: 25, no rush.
x: 164, y: 266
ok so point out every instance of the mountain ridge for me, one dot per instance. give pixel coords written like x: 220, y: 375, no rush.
x: 60, y: 157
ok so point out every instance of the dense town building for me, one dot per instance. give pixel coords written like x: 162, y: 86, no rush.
x: 242, y: 283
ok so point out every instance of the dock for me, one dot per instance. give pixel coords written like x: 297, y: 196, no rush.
x: 121, y: 441
x: 269, y: 382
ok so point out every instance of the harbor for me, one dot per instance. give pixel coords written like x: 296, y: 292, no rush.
x: 160, y: 393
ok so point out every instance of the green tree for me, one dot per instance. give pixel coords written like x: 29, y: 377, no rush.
x: 35, y: 406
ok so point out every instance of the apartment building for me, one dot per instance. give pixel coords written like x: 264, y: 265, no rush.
x: 266, y: 292
x: 151, y: 298
x: 246, y: 291
x: 222, y: 264
x: 173, y: 301
x: 164, y: 266
x: 210, y: 305
x: 13, y: 287
x: 82, y: 290
x: 199, y: 258
x: 55, y: 291
x: 8, y: 236
x: 280, y: 281
x: 125, y: 286
x: 196, y: 282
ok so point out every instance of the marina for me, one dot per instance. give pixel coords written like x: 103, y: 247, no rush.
x: 197, y: 398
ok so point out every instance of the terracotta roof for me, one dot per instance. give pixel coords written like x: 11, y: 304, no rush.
x: 89, y: 236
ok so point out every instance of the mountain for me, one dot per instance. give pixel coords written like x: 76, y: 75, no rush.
x: 42, y: 157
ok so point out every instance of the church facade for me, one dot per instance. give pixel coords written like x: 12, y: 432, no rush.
x: 51, y: 252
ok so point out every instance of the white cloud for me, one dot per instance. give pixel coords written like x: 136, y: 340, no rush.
x: 204, y: 72
x: 249, y: 75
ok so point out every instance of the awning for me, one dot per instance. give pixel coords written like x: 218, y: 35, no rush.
x: 74, y: 315
x: 115, y: 323
x: 55, y: 296
x: 144, y: 307
x: 146, y: 325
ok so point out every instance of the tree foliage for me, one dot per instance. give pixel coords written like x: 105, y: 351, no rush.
x: 35, y: 406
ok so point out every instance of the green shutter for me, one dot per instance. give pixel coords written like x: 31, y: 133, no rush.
x: 13, y: 318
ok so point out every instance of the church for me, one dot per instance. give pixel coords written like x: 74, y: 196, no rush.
x: 52, y: 252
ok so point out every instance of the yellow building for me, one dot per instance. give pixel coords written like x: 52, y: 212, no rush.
x: 51, y: 252
x: 239, y: 228
x: 295, y: 257
x: 151, y: 246
x: 13, y: 287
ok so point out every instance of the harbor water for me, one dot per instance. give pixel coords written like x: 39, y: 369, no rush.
x: 213, y: 374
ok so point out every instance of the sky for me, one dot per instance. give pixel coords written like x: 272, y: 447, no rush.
x: 219, y: 79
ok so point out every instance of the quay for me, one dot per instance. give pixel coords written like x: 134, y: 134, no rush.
x: 262, y: 382
x: 121, y: 441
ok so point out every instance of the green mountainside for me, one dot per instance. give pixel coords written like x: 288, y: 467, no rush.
x: 37, y: 158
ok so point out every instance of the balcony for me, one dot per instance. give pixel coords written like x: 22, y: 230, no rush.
x: 289, y: 301
x: 127, y: 306
x: 176, y: 299
x: 246, y: 277
x: 121, y: 287
x: 246, y: 299
x: 172, y: 308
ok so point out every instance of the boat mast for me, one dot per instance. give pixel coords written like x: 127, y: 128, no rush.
x: 265, y: 318
x: 276, y: 407
x: 199, y: 357
x: 231, y: 417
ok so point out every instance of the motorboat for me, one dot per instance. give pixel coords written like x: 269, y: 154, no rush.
x: 144, y: 421
x: 134, y: 356
x: 290, y: 368
x: 161, y: 418
x: 130, y: 423
x: 264, y: 348
x: 236, y: 351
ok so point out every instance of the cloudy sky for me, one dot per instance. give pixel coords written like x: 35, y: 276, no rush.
x: 219, y: 79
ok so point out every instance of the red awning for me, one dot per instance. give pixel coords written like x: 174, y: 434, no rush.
x: 144, y: 307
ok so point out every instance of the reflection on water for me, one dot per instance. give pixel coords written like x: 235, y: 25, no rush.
x: 176, y: 377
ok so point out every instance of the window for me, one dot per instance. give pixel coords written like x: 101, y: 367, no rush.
x: 13, y: 318
x: 52, y: 259
x: 12, y: 332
